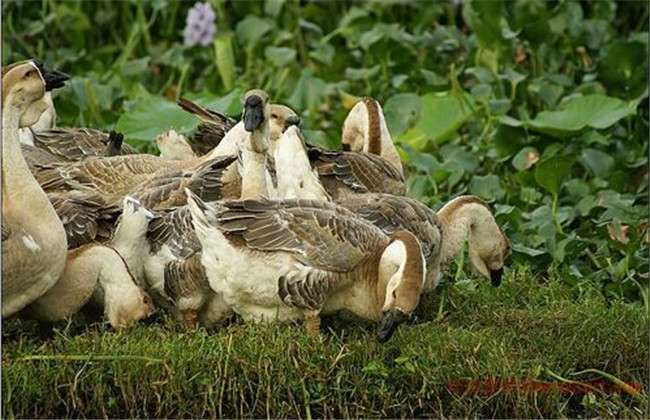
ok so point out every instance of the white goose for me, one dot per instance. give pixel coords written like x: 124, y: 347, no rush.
x: 298, y: 259
x: 34, y: 243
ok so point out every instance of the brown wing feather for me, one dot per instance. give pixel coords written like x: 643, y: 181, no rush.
x: 186, y: 278
x: 85, y: 216
x: 358, y: 172
x: 174, y: 229
x: 391, y: 213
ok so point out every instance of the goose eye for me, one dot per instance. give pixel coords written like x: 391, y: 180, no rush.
x: 28, y: 73
x: 274, y: 116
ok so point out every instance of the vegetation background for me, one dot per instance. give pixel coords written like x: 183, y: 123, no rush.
x: 539, y: 107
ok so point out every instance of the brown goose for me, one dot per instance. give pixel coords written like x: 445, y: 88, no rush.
x: 33, y: 240
x: 298, y: 259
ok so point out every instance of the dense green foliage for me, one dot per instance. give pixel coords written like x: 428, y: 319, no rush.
x: 540, y: 107
x: 525, y: 331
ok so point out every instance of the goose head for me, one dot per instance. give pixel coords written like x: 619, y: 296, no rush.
x: 282, y: 117
x: 470, y: 218
x: 23, y: 87
x: 365, y: 130
x: 256, y: 119
x: 124, y: 301
x: 295, y: 176
x: 402, y: 271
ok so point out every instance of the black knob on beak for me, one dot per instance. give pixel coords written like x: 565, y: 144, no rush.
x: 389, y: 324
x: 253, y: 113
x: 291, y: 120
x: 54, y: 79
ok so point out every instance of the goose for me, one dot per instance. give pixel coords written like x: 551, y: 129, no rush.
x: 34, y: 243
x: 365, y: 130
x: 299, y: 259
x: 103, y: 270
x: 214, y: 129
x: 469, y: 218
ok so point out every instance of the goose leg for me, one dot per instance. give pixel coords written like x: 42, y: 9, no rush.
x: 191, y: 318
x: 312, y: 323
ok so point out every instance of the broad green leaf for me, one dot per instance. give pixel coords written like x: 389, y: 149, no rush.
x: 308, y: 92
x: 273, y: 7
x: 599, y: 163
x: 442, y: 115
x: 225, y: 60
x: 402, y: 111
x: 362, y: 74
x: 252, y: 29
x: 280, y: 56
x: 487, y: 187
x: 161, y: 115
x: 595, y: 111
x: 526, y: 158
x: 323, y: 52
x: 550, y: 173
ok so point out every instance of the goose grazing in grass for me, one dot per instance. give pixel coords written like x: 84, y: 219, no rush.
x: 365, y: 130
x: 299, y: 259
x: 213, y: 131
x: 33, y: 240
x: 468, y: 218
x: 104, y: 270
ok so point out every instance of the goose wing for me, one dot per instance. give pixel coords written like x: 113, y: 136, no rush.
x: 167, y: 188
x: 174, y: 229
x: 75, y: 144
x: 359, y: 172
x: 391, y: 213
x: 211, y: 131
x: 185, y: 278
x: 85, y: 216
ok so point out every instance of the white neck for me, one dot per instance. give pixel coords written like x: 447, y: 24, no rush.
x: 253, y: 174
x: 20, y: 190
x: 296, y: 178
x: 130, y: 240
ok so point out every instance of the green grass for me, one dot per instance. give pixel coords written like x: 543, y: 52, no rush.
x: 526, y: 329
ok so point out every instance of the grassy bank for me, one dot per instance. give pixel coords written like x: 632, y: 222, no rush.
x: 528, y: 329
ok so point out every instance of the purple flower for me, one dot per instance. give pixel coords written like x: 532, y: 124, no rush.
x: 200, y: 27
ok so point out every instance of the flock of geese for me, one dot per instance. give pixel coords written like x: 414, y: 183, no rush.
x: 244, y: 219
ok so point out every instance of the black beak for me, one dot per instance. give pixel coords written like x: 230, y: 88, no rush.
x: 389, y: 324
x: 54, y: 79
x: 495, y: 276
x: 253, y: 113
x: 292, y: 120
